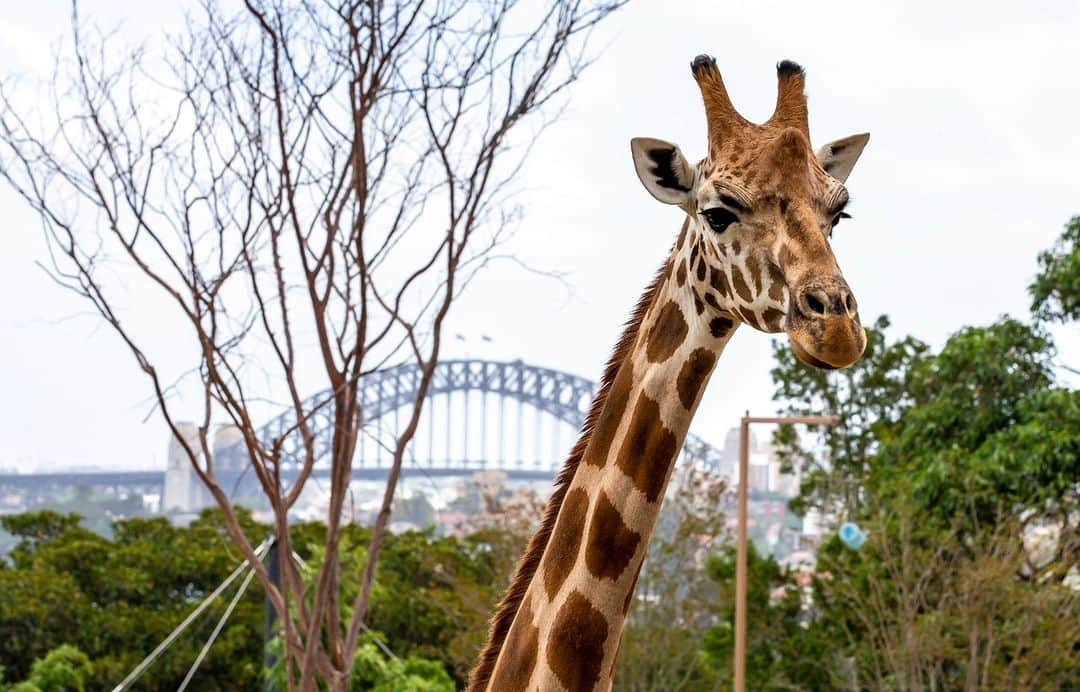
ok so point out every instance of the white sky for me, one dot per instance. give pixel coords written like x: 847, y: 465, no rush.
x: 970, y: 171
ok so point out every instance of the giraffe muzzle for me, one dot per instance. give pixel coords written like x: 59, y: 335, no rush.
x: 824, y: 327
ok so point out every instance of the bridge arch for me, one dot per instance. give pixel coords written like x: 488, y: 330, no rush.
x: 562, y: 396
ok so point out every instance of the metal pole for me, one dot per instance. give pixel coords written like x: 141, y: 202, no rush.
x: 740, y: 557
x: 740, y: 531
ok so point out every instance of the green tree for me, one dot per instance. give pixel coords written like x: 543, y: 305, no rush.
x: 64, y: 669
x: 1055, y: 293
x: 781, y: 652
x: 990, y: 434
x: 116, y: 599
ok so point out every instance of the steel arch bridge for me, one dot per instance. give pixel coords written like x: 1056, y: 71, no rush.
x: 559, y: 396
x: 458, y: 400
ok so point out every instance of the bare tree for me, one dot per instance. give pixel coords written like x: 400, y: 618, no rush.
x: 306, y: 187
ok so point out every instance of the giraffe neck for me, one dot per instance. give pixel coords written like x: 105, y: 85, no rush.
x: 566, y: 631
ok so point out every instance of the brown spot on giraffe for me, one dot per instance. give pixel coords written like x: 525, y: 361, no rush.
x: 648, y: 449
x: 599, y: 447
x: 755, y: 271
x: 701, y: 269
x: 562, y: 551
x: 680, y: 275
x: 736, y: 247
x: 682, y: 234
x: 611, y: 543
x: 667, y: 333
x: 575, y: 648
x: 776, y: 283
x: 740, y: 284
x: 749, y: 316
x: 519, y: 654
x: 772, y: 318
x: 719, y: 282
x: 693, y: 374
x: 719, y: 327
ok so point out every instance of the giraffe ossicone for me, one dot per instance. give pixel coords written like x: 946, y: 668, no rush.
x: 754, y: 248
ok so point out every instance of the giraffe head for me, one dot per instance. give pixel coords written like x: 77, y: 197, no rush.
x: 761, y: 210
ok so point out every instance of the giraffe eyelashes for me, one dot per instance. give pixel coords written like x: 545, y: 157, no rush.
x: 719, y: 218
x: 836, y: 220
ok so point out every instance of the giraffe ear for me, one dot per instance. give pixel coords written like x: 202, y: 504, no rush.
x: 839, y: 157
x: 663, y: 169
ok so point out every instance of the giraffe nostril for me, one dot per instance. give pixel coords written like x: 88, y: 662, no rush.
x: 817, y: 302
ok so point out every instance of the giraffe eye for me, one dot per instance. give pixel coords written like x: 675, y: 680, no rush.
x: 836, y: 219
x: 719, y: 218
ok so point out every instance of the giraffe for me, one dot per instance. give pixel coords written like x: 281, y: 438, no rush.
x: 755, y: 248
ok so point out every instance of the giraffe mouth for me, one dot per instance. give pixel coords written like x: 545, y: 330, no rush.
x: 804, y: 355
x: 828, y: 344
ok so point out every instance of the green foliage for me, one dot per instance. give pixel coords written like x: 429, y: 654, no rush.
x: 64, y: 669
x: 780, y: 652
x: 375, y: 672
x: 116, y: 599
x: 1055, y: 293
x: 376, y: 669
x: 965, y: 447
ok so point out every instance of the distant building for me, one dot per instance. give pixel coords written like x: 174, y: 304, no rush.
x: 181, y: 493
x: 765, y: 467
x: 184, y: 490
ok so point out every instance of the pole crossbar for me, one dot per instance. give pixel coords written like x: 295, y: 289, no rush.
x: 740, y: 533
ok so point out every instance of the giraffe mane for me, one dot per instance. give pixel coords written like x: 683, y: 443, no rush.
x: 526, y: 568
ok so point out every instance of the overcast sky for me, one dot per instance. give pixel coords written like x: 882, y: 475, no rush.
x: 972, y: 168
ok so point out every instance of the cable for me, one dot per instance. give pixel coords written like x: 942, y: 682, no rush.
x: 217, y: 630
x: 127, y: 682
